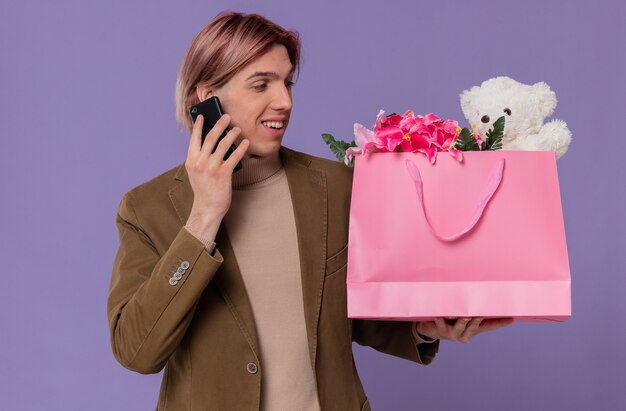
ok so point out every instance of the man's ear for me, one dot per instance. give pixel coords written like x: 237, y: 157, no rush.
x: 203, y: 92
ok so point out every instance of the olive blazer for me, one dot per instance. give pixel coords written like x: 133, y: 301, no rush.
x: 172, y: 304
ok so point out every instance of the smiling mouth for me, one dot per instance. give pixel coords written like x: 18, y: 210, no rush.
x: 274, y: 124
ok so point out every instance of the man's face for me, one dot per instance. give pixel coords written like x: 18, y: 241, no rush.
x: 258, y: 99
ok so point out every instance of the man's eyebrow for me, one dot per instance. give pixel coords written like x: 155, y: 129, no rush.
x: 270, y: 74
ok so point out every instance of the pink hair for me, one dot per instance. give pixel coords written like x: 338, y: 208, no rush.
x: 226, y: 45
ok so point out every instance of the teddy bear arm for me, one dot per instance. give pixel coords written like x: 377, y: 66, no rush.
x: 555, y: 136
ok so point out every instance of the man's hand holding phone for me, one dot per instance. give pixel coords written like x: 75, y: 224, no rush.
x: 210, y: 175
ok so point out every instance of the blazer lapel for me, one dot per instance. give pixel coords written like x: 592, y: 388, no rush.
x: 309, y: 198
x: 228, y: 278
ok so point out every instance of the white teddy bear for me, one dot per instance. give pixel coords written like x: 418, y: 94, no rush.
x: 525, y: 107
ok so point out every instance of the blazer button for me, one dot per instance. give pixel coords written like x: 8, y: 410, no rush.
x: 252, y: 368
x: 184, y: 265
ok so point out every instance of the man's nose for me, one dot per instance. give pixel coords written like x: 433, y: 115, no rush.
x: 282, y: 99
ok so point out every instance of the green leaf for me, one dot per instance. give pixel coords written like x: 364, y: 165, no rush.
x: 338, y: 147
x: 466, y: 141
x: 494, y: 135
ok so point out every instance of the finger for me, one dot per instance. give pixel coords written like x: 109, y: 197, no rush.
x: 214, y: 134
x: 459, y: 327
x: 471, y: 329
x: 195, y: 142
x: 494, y: 323
x: 238, y: 154
x: 442, y: 327
x: 224, y: 145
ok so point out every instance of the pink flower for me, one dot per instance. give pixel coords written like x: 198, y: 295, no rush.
x: 458, y: 154
x: 364, y: 140
x: 407, y: 133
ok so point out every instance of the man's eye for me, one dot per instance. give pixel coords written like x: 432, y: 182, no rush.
x: 260, y: 87
x: 289, y: 84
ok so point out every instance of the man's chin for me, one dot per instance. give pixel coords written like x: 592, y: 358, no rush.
x: 267, y: 150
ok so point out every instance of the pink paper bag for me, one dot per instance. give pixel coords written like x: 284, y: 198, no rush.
x: 478, y: 238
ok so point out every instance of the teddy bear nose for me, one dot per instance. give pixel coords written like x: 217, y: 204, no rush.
x: 485, y: 119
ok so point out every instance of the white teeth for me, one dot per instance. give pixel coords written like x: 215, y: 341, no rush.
x: 273, y: 124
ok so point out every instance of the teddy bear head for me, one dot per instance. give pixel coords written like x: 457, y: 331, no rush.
x: 524, y: 106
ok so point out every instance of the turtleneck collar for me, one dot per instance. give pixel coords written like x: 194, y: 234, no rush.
x: 256, y: 170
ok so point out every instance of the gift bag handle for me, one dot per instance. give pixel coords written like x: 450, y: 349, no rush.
x: 495, y: 178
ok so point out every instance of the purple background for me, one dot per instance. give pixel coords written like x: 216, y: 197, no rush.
x: 87, y: 113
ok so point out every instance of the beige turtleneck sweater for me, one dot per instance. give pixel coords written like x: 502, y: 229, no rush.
x: 261, y: 227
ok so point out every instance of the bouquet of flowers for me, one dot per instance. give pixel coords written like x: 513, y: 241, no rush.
x: 427, y: 134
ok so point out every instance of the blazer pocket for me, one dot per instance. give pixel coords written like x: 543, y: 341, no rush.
x: 337, y: 261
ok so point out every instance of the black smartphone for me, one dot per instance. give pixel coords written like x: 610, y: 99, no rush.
x: 211, y: 110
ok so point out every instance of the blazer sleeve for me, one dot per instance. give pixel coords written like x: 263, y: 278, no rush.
x: 150, y: 307
x: 395, y: 338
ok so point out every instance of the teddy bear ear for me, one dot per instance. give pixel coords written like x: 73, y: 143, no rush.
x: 466, y: 100
x: 547, y: 98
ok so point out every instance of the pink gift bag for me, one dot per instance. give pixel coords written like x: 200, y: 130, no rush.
x: 478, y: 238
